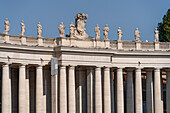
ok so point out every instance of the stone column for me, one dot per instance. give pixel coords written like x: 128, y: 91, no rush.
x: 71, y: 90
x: 63, y: 90
x: 120, y: 93
x: 130, y: 92
x: 157, y: 91
x: 168, y: 91
x: 6, y: 89
x: 90, y: 74
x: 107, y: 91
x: 112, y: 82
x: 149, y: 91
x: 22, y: 89
x: 27, y: 92
x: 138, y: 92
x: 39, y: 89
x: 98, y: 90
x: 54, y: 93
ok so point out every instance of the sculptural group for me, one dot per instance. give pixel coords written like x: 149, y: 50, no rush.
x: 78, y: 30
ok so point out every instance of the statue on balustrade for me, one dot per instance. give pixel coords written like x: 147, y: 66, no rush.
x: 7, y: 26
x: 156, y: 35
x: 72, y: 30
x: 22, y: 28
x: 105, y: 32
x: 61, y: 29
x: 39, y: 29
x: 137, y: 35
x: 97, y: 31
x: 120, y: 34
x: 80, y: 22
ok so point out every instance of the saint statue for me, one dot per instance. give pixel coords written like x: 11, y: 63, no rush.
x: 137, y: 35
x: 39, y: 29
x: 61, y: 29
x: 7, y: 26
x: 72, y: 30
x: 97, y: 30
x: 22, y: 28
x: 120, y: 34
x: 156, y: 35
x: 105, y: 32
x: 80, y: 19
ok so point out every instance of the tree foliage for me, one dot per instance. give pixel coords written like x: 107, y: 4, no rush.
x: 164, y: 28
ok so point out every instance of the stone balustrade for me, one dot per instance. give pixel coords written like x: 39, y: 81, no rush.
x: 88, y: 43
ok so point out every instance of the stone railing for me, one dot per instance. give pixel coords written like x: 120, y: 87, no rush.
x: 87, y: 43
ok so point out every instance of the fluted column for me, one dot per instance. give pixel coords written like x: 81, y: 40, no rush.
x: 168, y: 91
x: 130, y: 92
x: 107, y: 91
x: 98, y: 90
x: 22, y: 89
x: 90, y: 74
x: 120, y: 97
x: 157, y: 91
x: 6, y: 89
x: 71, y: 90
x: 149, y: 91
x: 63, y: 90
x: 39, y: 89
x: 138, y: 92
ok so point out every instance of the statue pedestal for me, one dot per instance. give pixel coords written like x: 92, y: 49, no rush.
x: 156, y: 45
x: 138, y: 45
x: 23, y: 40
x: 40, y: 41
x: 119, y: 45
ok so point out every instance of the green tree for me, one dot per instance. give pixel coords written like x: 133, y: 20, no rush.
x: 164, y: 28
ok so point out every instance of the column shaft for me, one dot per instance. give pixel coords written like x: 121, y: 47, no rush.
x: 107, y: 91
x: 130, y: 92
x: 149, y: 92
x: 22, y: 89
x: 39, y: 89
x: 71, y: 91
x: 63, y: 90
x: 120, y: 93
x: 138, y: 92
x: 157, y: 91
x: 168, y: 91
x: 90, y: 74
x: 6, y: 89
x: 98, y: 90
x: 54, y: 93
x: 27, y: 92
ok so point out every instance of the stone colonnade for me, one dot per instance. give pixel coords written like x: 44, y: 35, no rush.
x: 85, y: 90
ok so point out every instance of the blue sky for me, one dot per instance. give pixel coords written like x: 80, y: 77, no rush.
x: 128, y: 14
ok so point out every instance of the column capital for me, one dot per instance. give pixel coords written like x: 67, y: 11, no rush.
x: 106, y: 68
x: 22, y: 65
x: 138, y: 69
x: 71, y: 67
x: 157, y: 69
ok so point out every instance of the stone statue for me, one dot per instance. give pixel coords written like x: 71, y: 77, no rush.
x: 72, y: 30
x: 97, y: 30
x: 22, y: 28
x: 7, y: 26
x: 120, y: 34
x: 137, y: 35
x: 61, y: 29
x: 156, y: 35
x: 39, y: 29
x: 80, y: 22
x: 105, y: 32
